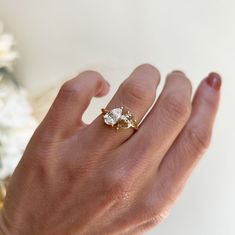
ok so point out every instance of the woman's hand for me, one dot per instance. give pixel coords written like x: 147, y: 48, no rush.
x: 76, y: 178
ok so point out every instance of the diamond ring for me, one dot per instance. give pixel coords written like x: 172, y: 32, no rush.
x: 116, y: 118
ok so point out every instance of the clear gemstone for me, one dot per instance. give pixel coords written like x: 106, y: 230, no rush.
x: 112, y: 117
x: 124, y: 122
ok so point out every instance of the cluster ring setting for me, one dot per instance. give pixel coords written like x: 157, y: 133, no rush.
x: 119, y: 119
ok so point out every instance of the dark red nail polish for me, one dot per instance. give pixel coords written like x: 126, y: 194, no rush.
x: 214, y: 80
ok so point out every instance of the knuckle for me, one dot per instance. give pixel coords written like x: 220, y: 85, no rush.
x: 177, y: 107
x: 67, y: 88
x: 65, y: 93
x: 136, y: 93
x: 117, y: 188
x: 69, y: 91
x: 74, y: 88
x: 199, y: 139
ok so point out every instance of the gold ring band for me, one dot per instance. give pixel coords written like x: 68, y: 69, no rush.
x: 116, y: 118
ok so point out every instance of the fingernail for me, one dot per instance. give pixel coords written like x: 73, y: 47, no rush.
x: 107, y: 84
x: 179, y: 72
x: 214, y: 81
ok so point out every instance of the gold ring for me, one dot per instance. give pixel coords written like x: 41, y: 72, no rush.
x: 116, y: 118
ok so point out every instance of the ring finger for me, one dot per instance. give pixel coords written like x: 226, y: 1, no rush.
x: 136, y: 94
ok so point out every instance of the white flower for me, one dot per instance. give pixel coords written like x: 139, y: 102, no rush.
x: 16, y: 121
x: 7, y: 54
x: 16, y: 126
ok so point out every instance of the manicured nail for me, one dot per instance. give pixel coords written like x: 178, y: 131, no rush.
x: 179, y: 72
x: 214, y: 81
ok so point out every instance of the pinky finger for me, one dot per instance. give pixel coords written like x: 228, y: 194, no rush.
x: 194, y: 138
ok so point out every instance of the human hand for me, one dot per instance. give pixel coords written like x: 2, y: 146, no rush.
x: 77, y: 178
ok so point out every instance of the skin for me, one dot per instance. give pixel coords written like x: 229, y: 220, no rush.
x: 76, y: 178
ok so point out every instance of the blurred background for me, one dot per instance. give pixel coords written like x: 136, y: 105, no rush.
x: 55, y: 40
